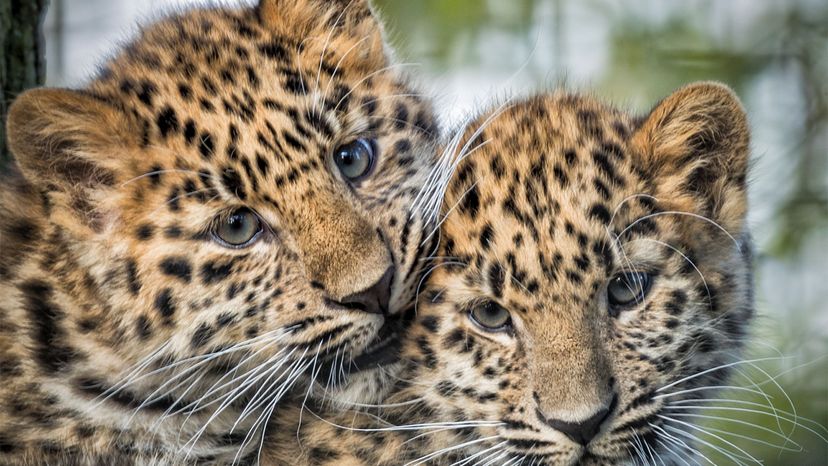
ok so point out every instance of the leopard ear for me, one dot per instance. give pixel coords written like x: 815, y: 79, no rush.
x: 66, y: 140
x: 694, y: 147
x: 69, y: 143
x: 347, y: 25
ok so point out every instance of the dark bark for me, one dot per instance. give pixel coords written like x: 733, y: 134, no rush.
x: 22, y: 48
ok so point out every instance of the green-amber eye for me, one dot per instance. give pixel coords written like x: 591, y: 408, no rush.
x: 355, y: 159
x: 490, y: 316
x: 628, y: 288
x: 239, y: 229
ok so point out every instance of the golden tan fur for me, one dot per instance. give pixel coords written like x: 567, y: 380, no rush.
x: 558, y: 195
x: 129, y: 334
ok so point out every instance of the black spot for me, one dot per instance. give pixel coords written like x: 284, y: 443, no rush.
x: 318, y: 455
x: 599, y: 212
x: 430, y: 323
x: 560, y: 175
x: 7, y: 445
x: 292, y: 141
x: 446, y: 388
x: 202, y: 335
x: 205, y: 145
x: 233, y: 183
x: 143, y: 328
x: 212, y: 272
x: 262, y: 164
x: 172, y: 232
x: 486, y: 236
x: 294, y: 84
x: 602, y: 249
x: 176, y: 267
x: 144, y: 232
x: 274, y: 50
x: 189, y: 131
x: 602, y: 189
x: 401, y: 116
x: 185, y: 91
x: 471, y: 202
x: 225, y: 318
x: 402, y: 146
x: 145, y: 93
x: 425, y: 124
x: 570, y: 156
x: 496, y: 279
x: 165, y: 305
x: 606, y: 167
x: 132, y: 277
x: 46, y: 330
x: 155, y: 175
x: 167, y: 121
x: 173, y: 200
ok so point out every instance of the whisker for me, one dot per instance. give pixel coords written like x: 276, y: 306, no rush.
x: 443, y: 451
x: 717, y: 437
x: 717, y: 368
x: 689, y: 214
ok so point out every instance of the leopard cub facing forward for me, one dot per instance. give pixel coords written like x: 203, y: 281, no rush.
x: 593, y: 274
x: 222, y: 213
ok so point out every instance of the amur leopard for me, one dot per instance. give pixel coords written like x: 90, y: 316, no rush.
x: 593, y: 278
x: 222, y: 213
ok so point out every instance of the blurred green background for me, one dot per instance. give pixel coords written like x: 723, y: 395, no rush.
x: 774, y: 53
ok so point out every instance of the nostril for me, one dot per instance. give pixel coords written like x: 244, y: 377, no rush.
x: 584, y: 431
x: 373, y: 299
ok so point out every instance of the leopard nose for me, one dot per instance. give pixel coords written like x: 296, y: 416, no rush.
x: 584, y: 431
x: 373, y: 299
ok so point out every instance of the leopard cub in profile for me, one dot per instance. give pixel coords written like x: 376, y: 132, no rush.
x: 593, y: 274
x: 221, y: 215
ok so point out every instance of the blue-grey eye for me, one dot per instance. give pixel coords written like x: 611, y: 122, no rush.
x: 490, y: 316
x: 628, y: 288
x: 238, y: 229
x: 355, y: 159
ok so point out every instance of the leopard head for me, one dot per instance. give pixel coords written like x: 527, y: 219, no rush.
x: 593, y: 271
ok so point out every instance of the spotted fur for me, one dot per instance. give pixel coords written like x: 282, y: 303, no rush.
x: 556, y: 195
x: 128, y: 335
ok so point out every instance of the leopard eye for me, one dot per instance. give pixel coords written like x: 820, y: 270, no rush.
x: 355, y: 159
x: 628, y: 288
x: 239, y: 229
x: 490, y: 316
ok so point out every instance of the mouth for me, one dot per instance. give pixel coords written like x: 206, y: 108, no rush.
x: 383, y: 350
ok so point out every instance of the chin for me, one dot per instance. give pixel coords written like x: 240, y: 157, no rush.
x: 366, y: 380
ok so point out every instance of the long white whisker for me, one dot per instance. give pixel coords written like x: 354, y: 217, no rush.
x: 717, y: 368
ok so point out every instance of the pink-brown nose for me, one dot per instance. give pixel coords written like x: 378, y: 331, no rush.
x: 373, y: 299
x: 584, y: 431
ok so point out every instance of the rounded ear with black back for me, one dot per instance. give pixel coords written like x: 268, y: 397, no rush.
x: 348, y: 21
x: 693, y: 146
x: 71, y: 144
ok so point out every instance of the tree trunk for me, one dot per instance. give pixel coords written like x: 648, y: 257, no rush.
x: 22, y: 63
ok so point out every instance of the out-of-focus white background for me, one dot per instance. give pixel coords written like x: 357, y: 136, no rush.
x: 774, y: 53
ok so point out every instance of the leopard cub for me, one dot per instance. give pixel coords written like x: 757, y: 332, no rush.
x: 593, y: 274
x: 221, y: 216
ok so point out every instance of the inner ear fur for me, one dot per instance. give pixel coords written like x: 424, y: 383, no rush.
x: 694, y: 147
x: 67, y: 140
